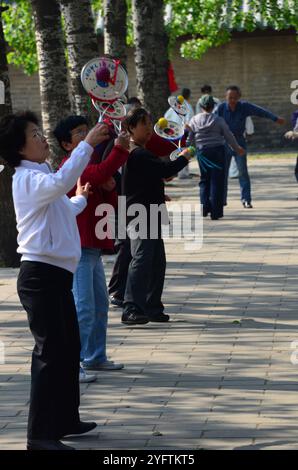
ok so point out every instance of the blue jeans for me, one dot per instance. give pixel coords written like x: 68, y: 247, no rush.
x: 244, y: 179
x: 92, y: 305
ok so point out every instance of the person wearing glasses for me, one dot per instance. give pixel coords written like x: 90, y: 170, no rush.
x: 49, y: 242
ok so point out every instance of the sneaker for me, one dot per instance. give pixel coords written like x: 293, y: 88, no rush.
x: 106, y: 365
x: 159, y: 318
x: 116, y: 302
x: 86, y: 378
x: 134, y: 318
x: 247, y: 205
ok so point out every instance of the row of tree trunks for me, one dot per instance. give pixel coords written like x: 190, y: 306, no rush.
x: 82, y: 46
x: 151, y: 55
x: 55, y: 102
x: 8, y: 233
x: 115, y: 31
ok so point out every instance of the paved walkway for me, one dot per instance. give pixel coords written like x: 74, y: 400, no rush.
x: 219, y: 375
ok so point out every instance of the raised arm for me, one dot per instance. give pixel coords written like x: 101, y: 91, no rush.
x: 153, y: 166
x: 254, y: 110
x: 41, y: 188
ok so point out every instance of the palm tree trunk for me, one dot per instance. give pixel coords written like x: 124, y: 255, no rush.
x: 115, y: 13
x: 151, y: 55
x: 82, y: 46
x: 52, y: 67
x: 8, y: 233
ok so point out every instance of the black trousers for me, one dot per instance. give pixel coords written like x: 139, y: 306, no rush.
x: 117, y: 284
x: 145, y: 278
x: 45, y: 292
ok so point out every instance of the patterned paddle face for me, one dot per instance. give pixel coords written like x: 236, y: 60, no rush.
x: 104, y: 79
x: 175, y: 154
x: 180, y: 109
x: 1, y: 168
x: 115, y: 110
x: 172, y: 131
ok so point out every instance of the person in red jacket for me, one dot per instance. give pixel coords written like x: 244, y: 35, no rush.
x: 89, y: 286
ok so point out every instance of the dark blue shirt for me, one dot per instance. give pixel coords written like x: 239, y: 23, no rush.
x: 236, y: 119
x: 294, y: 118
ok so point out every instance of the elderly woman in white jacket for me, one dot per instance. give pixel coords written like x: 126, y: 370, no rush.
x: 49, y: 243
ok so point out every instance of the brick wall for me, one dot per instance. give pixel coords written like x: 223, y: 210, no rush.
x: 263, y: 66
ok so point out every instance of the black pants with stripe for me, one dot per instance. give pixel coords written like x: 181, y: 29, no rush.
x: 45, y: 292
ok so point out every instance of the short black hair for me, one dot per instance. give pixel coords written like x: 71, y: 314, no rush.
x: 134, y: 116
x: 134, y: 100
x: 206, y: 89
x: 234, y: 88
x: 13, y: 135
x: 208, y: 108
x: 62, y: 131
x: 186, y: 93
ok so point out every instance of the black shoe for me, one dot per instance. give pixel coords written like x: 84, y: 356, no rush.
x: 134, y: 318
x: 116, y: 302
x: 41, y: 444
x: 206, y: 211
x: 159, y: 317
x: 81, y: 428
x: 247, y: 205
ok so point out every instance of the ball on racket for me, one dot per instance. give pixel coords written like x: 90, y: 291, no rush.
x: 162, y: 122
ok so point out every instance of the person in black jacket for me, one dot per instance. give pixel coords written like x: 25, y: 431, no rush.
x: 143, y: 185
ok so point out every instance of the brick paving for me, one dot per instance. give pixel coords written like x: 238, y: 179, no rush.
x: 219, y: 375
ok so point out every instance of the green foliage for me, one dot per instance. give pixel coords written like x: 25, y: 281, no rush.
x: 210, y: 22
x: 202, y: 23
x: 19, y: 33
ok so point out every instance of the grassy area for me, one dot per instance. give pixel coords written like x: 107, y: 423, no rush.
x: 269, y: 155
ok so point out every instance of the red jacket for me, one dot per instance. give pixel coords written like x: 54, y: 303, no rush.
x: 97, y: 174
x: 161, y: 147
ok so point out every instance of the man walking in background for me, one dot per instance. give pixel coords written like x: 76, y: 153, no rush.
x: 235, y: 111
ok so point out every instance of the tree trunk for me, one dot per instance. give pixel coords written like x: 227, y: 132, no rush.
x: 151, y: 55
x: 52, y: 68
x: 82, y: 46
x: 8, y: 233
x: 115, y: 13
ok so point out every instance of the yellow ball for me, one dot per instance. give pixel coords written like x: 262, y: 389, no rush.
x: 162, y: 122
x: 180, y: 99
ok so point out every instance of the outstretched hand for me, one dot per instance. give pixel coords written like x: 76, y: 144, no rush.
x: 83, y: 190
x: 187, y: 153
x: 241, y: 151
x: 281, y: 121
x: 97, y: 134
x: 291, y: 135
x: 123, y: 140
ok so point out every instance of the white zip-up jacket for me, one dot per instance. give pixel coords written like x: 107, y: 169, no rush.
x: 46, y: 217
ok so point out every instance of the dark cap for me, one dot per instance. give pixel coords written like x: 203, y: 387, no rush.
x: 206, y: 101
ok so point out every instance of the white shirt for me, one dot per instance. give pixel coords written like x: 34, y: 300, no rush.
x: 46, y: 217
x: 249, y: 126
x: 190, y: 112
x: 171, y: 115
